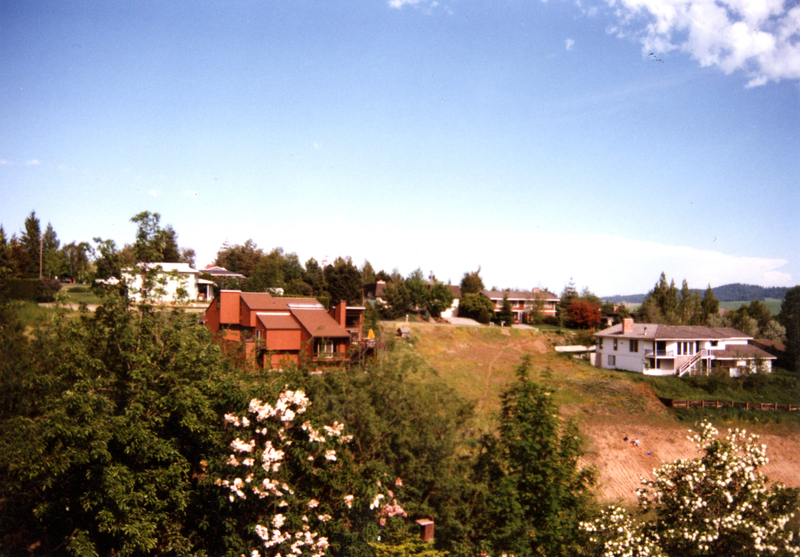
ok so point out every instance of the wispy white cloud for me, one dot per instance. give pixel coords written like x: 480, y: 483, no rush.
x: 760, y: 38
x: 155, y: 193
x: 427, y: 6
x: 400, y: 3
x: 4, y: 162
x: 33, y: 162
x: 189, y: 193
x: 570, y: 44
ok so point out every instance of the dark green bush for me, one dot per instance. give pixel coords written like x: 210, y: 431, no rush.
x: 35, y: 290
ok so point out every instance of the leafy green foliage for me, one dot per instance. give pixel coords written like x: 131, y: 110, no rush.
x: 477, y: 307
x: 405, y: 420
x: 440, y: 298
x: 536, y: 492
x: 397, y: 300
x: 103, y: 450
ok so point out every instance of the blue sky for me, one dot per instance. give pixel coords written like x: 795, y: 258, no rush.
x: 603, y: 141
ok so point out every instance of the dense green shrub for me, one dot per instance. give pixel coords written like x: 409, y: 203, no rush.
x: 35, y: 290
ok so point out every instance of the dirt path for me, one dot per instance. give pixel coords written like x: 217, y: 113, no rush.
x: 621, y: 465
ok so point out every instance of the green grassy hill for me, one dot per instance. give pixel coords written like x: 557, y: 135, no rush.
x: 478, y: 362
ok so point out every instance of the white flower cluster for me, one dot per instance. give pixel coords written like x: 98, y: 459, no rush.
x: 710, y: 504
x: 288, y: 533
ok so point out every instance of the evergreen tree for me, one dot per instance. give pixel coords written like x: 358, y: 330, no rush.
x: 344, y: 281
x: 368, y: 273
x: 471, y: 283
x: 789, y: 317
x: 536, y: 492
x: 505, y: 316
x: 54, y: 262
x: 568, y: 295
x: 709, y: 306
x: 315, y: 277
x: 397, y: 300
x: 6, y: 261
x: 31, y: 241
x: 686, y: 305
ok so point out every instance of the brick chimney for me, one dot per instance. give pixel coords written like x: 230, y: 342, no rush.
x: 627, y: 325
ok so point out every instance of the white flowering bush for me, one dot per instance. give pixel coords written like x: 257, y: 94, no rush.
x: 717, y: 504
x: 300, y: 481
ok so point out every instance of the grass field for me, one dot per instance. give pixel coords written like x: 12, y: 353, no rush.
x: 78, y: 294
x: 773, y: 305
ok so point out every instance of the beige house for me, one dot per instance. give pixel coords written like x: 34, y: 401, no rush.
x: 524, y: 303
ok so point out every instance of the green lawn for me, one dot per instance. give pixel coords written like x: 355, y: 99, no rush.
x: 773, y: 305
x: 78, y: 293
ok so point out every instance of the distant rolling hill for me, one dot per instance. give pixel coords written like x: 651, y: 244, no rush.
x: 736, y: 292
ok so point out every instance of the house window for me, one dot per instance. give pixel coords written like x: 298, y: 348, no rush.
x: 601, y: 343
x: 634, y: 345
x: 325, y: 346
x: 615, y: 344
x: 612, y: 361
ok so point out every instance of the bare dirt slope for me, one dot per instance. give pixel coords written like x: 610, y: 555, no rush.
x: 621, y: 465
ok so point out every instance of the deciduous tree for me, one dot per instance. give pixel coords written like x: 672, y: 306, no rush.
x: 477, y: 307
x: 583, y: 314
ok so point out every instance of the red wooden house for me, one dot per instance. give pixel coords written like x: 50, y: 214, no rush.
x: 276, y: 330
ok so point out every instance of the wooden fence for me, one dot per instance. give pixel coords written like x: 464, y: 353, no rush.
x: 728, y: 404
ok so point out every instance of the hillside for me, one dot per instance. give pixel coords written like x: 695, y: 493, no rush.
x: 736, y: 292
x: 479, y: 361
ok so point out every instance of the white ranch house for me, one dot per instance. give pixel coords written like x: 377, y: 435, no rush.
x: 655, y: 349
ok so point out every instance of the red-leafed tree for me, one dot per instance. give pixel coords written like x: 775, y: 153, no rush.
x: 583, y: 314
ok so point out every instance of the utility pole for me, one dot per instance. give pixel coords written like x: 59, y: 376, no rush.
x: 41, y: 250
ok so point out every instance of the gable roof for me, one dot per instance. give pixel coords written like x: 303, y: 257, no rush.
x: 319, y: 323
x: 265, y: 301
x: 278, y: 321
x: 165, y: 267
x: 520, y: 295
x: 655, y: 331
x: 736, y: 351
x: 215, y: 271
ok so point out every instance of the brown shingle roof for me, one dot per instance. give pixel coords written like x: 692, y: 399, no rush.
x: 519, y: 295
x: 735, y: 351
x: 265, y: 301
x: 672, y: 332
x: 319, y: 323
x: 279, y: 321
